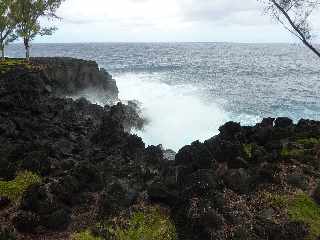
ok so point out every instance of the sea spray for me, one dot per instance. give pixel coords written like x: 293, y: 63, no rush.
x: 177, y: 116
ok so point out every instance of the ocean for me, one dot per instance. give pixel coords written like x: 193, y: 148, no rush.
x: 187, y: 90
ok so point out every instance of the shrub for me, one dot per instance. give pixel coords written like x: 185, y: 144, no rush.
x: 14, y: 189
x: 247, y: 148
x: 85, y: 235
x: 149, y: 224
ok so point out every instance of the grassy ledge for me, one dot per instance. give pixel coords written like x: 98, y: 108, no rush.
x: 9, y: 64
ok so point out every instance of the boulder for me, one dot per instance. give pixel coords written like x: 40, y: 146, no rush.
x: 316, y: 194
x: 238, y: 180
x: 58, y: 220
x: 283, y: 122
x: 26, y: 222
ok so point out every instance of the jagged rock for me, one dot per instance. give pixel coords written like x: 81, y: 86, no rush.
x: 4, y: 202
x: 158, y: 192
x: 229, y: 130
x: 36, y: 199
x: 69, y: 76
x: 92, y: 166
x: 58, y: 220
x: 298, y: 180
x: 267, y: 122
x: 237, y: 180
x: 283, y: 122
x: 200, y: 183
x: 26, y: 221
x: 316, y: 194
x: 114, y: 199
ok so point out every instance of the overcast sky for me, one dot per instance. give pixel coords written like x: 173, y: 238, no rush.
x: 166, y: 20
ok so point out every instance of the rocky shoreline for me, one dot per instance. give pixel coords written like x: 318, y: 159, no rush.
x: 91, y: 179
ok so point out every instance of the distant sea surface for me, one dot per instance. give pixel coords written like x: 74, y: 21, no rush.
x: 187, y: 90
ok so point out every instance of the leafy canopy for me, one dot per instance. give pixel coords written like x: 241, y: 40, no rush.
x: 7, y: 23
x: 27, y: 14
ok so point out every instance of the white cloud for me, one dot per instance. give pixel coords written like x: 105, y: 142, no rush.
x: 165, y: 20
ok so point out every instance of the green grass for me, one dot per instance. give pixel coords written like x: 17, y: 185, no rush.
x: 150, y: 224
x: 300, y: 208
x: 9, y: 64
x: 15, y: 188
x: 85, y: 235
x: 303, y: 208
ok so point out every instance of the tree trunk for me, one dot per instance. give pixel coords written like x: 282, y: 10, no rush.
x: 27, y: 47
x: 2, y: 53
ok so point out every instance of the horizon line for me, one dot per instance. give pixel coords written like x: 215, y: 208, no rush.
x: 126, y: 42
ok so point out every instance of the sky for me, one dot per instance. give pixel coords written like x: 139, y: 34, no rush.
x: 167, y: 21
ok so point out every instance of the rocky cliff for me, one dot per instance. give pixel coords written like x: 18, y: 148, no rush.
x: 69, y: 170
x: 69, y: 76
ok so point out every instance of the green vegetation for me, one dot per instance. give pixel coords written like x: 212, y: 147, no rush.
x: 308, y: 142
x: 303, y: 208
x: 292, y: 152
x: 299, y: 207
x: 150, y: 224
x: 7, y: 25
x: 9, y: 64
x: 247, y: 148
x: 27, y: 15
x: 15, y: 188
x: 85, y: 235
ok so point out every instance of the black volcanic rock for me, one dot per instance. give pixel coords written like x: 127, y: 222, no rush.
x: 69, y: 76
x: 231, y: 186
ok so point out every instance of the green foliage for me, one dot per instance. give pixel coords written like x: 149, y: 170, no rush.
x: 15, y: 188
x: 303, y: 208
x: 27, y: 14
x: 150, y: 224
x: 247, y: 148
x: 9, y: 64
x: 7, y: 25
x: 85, y: 235
x: 291, y: 152
x: 308, y: 142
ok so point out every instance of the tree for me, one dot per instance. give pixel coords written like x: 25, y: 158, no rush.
x: 294, y: 15
x: 7, y: 25
x: 27, y: 14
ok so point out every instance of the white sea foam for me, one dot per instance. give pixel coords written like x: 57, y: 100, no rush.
x: 177, y: 116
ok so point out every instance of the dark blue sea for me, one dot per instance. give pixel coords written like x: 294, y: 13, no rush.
x: 187, y: 90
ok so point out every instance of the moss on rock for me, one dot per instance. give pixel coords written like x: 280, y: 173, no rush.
x: 14, y: 189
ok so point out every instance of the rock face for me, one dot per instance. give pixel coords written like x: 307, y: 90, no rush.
x: 69, y: 76
x: 259, y: 182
